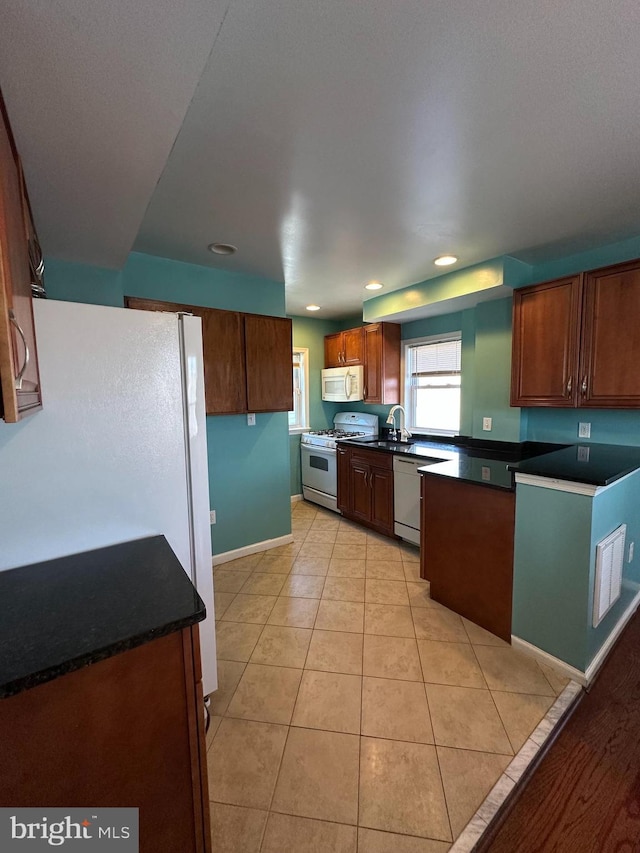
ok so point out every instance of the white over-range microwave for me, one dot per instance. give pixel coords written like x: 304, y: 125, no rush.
x: 343, y: 384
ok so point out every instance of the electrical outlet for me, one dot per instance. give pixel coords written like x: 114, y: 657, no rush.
x: 630, y: 551
x: 584, y: 430
x: 486, y: 473
x: 212, y: 517
x: 486, y: 424
x: 251, y: 420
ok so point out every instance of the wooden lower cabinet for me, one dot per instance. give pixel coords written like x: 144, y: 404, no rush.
x: 126, y: 731
x: 365, y: 487
x: 466, y: 550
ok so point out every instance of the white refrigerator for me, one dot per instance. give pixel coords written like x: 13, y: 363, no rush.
x: 119, y: 449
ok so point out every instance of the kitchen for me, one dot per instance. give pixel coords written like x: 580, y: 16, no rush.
x: 256, y: 476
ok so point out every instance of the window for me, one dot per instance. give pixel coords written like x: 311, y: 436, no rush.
x: 432, y: 384
x: 299, y: 416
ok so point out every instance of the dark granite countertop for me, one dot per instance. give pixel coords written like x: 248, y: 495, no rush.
x: 487, y: 463
x: 595, y: 464
x: 63, y: 614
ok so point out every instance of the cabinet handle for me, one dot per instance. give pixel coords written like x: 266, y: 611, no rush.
x: 25, y: 364
x: 584, y: 386
x: 569, y: 383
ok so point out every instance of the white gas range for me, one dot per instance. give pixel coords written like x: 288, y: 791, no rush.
x: 318, y: 455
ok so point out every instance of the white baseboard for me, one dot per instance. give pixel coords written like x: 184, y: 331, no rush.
x: 599, y: 659
x: 254, y: 548
x: 585, y: 678
x: 296, y: 498
x: 544, y: 657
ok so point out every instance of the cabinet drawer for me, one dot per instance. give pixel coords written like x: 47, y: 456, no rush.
x: 373, y: 458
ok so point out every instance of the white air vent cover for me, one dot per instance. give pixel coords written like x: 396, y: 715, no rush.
x: 608, y: 582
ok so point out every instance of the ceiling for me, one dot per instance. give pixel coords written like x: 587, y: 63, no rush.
x: 332, y: 142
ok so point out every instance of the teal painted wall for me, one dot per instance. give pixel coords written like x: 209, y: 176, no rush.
x: 309, y: 332
x: 249, y: 483
x: 82, y: 283
x: 551, y: 572
x: 618, y: 505
x: 493, y: 372
x: 554, y: 566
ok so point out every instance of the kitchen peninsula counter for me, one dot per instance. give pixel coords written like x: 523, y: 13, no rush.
x: 101, y: 693
x: 60, y: 615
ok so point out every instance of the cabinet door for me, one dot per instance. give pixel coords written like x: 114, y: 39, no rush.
x: 269, y: 363
x: 381, y: 483
x: 382, y: 363
x: 352, y: 350
x: 360, y: 491
x: 546, y: 330
x: 333, y: 350
x: 225, y: 382
x: 344, y: 486
x: 610, y: 366
x: 20, y: 380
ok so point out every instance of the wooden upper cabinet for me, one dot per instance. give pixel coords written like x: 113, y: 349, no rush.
x: 545, y: 346
x: 352, y: 349
x: 610, y: 366
x: 269, y: 363
x: 19, y: 376
x: 225, y: 375
x: 247, y: 358
x: 344, y: 348
x: 333, y: 350
x: 576, y: 341
x: 382, y: 363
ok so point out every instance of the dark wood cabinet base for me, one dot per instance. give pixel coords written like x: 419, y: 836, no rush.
x: 127, y: 731
x: 466, y: 550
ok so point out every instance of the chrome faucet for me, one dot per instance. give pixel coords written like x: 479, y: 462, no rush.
x: 405, y: 435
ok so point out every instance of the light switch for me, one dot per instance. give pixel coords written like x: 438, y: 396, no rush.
x: 251, y: 420
x: 486, y: 424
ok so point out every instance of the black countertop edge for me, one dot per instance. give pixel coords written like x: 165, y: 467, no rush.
x: 51, y: 673
x: 445, y: 472
x: 66, y: 613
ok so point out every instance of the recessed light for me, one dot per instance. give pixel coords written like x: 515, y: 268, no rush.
x: 313, y: 307
x: 222, y: 248
x: 373, y: 285
x: 445, y: 260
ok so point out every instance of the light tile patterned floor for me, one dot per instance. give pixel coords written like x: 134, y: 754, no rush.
x: 355, y: 714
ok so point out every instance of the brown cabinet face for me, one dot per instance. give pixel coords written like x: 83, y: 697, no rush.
x: 365, y: 487
x: 576, y: 341
x: 382, y: 363
x: 546, y: 327
x: 333, y: 350
x: 269, y: 363
x: 610, y: 368
x: 224, y: 364
x: 466, y: 550
x: 352, y: 346
x: 20, y: 380
x: 88, y: 739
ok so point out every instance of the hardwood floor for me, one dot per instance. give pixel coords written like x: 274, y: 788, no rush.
x: 585, y: 794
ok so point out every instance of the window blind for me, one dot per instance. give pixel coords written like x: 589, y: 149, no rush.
x: 433, y: 359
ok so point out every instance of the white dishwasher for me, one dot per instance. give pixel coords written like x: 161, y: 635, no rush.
x: 406, y: 497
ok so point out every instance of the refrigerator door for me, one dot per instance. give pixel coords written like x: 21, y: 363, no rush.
x: 104, y: 461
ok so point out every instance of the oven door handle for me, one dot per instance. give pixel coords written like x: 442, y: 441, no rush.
x: 311, y: 448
